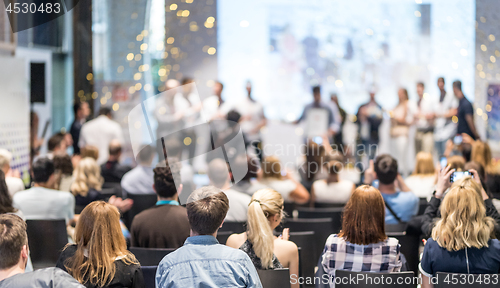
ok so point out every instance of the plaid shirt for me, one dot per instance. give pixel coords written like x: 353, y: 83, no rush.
x: 378, y: 257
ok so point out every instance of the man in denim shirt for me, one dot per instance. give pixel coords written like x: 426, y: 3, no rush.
x: 202, y: 261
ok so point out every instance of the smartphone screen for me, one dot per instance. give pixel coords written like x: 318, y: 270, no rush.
x: 457, y: 140
x: 457, y: 175
x: 443, y: 162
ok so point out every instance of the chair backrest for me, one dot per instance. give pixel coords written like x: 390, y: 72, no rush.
x: 409, y: 247
x: 150, y: 256
x: 322, y: 228
x: 305, y: 241
x: 288, y: 208
x: 235, y: 227
x: 149, y: 273
x: 141, y: 203
x: 223, y: 235
x: 444, y: 280
x: 274, y: 278
x: 422, y: 204
x: 328, y: 205
x: 374, y: 280
x: 46, y: 239
x: 334, y: 213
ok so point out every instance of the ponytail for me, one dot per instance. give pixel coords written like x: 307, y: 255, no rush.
x: 265, y: 203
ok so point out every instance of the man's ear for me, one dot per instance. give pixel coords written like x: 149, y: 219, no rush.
x: 154, y: 189
x: 179, y: 190
x: 221, y: 224
x: 25, y: 252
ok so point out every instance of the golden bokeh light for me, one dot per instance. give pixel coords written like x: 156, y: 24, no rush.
x: 116, y: 106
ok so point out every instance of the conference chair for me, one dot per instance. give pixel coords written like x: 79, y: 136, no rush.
x: 328, y: 205
x: 235, y: 227
x: 288, y: 208
x: 374, y: 280
x: 141, y: 203
x: 46, y: 239
x: 79, y: 209
x: 422, y: 204
x: 150, y: 256
x: 334, y: 213
x: 275, y: 278
x: 149, y: 274
x: 305, y: 241
x: 322, y: 228
x: 409, y: 248
x: 223, y: 235
x: 466, y: 280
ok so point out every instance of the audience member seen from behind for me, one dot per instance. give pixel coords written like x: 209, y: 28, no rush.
x: 266, y: 251
x: 287, y: 186
x: 64, y: 172
x: 87, y: 182
x: 248, y: 183
x: 12, y: 178
x: 463, y: 239
x: 15, y: 256
x: 140, y: 179
x: 238, y: 202
x: 423, y: 179
x: 99, y: 258
x: 89, y: 151
x: 333, y: 189
x: 112, y: 171
x: 481, y: 153
x: 432, y: 211
x: 397, y: 196
x: 312, y: 168
x: 5, y: 200
x: 362, y: 244
x: 202, y: 261
x: 41, y: 201
x: 165, y: 225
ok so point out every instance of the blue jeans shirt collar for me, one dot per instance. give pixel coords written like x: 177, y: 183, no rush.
x: 201, y: 240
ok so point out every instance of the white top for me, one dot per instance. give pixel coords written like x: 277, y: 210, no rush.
x: 139, y: 180
x: 337, y: 192
x: 38, y: 203
x: 99, y: 132
x: 211, y: 108
x: 254, y: 111
x: 428, y: 105
x: 284, y: 187
x: 238, y: 206
x: 14, y: 185
x: 422, y: 186
x: 445, y: 128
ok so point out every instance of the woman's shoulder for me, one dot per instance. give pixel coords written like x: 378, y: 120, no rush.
x: 236, y: 240
x: 285, y: 244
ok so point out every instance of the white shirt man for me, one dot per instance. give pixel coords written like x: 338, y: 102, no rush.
x: 99, y: 132
x: 39, y: 203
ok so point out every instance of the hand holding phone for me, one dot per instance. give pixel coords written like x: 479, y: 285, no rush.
x: 460, y: 174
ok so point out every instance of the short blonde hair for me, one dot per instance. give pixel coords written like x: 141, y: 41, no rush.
x: 463, y: 222
x: 424, y: 164
x: 271, y: 167
x: 86, y: 176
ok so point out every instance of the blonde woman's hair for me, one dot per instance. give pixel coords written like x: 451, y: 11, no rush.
x: 463, y: 222
x: 481, y: 153
x: 271, y: 167
x: 99, y: 242
x: 265, y: 203
x: 424, y: 165
x: 86, y: 176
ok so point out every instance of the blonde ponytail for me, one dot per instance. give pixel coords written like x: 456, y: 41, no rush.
x: 265, y: 203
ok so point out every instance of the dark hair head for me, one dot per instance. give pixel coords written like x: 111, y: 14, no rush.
x: 206, y: 208
x: 234, y: 116
x: 63, y: 164
x: 55, y: 141
x: 186, y: 80
x: 242, y: 162
x: 14, y: 237
x: 115, y: 148
x: 105, y: 111
x: 43, y: 168
x: 457, y: 85
x: 89, y: 151
x: 441, y: 79
x: 146, y: 154
x: 456, y: 162
x: 165, y: 177
x: 334, y: 162
x: 386, y: 168
x: 5, y: 200
x: 421, y: 84
x: 363, y: 221
x: 77, y: 106
x: 316, y: 89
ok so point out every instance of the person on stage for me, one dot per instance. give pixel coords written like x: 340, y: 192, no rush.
x: 401, y: 120
x: 369, y: 118
x: 424, y: 120
x: 444, y: 128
